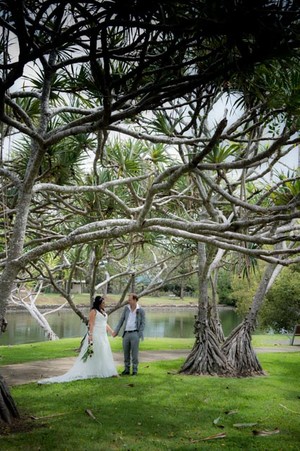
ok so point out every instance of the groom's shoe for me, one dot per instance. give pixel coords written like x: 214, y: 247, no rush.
x: 134, y: 373
x: 125, y: 373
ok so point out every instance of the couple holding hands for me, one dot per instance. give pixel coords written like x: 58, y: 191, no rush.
x: 95, y: 358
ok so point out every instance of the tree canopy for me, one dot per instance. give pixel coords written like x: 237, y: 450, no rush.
x: 90, y: 69
x: 76, y: 74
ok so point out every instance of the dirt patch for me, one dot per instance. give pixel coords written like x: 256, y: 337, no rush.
x: 24, y: 424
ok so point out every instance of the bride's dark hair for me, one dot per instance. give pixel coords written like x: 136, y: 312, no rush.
x: 97, y: 303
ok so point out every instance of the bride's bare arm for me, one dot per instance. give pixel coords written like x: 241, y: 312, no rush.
x: 109, y: 329
x: 92, y: 316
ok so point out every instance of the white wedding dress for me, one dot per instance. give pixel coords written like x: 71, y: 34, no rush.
x: 100, y: 364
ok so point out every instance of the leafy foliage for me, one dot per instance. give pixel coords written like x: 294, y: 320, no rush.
x: 288, y: 188
x: 281, y: 310
x: 220, y: 154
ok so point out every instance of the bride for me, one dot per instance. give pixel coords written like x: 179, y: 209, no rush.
x: 95, y: 358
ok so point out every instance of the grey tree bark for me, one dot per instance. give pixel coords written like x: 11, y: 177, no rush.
x: 206, y: 357
x: 238, y: 347
x: 8, y: 408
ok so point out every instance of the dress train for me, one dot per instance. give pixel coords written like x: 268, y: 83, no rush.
x: 99, y: 365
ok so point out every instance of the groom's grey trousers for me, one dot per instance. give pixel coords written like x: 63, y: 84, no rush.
x: 131, y: 343
x: 131, y: 339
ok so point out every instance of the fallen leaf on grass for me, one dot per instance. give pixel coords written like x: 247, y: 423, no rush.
x: 129, y: 385
x: 90, y: 414
x: 293, y: 411
x: 244, y: 425
x: 230, y: 412
x: 266, y: 433
x: 213, y: 437
x: 216, y: 423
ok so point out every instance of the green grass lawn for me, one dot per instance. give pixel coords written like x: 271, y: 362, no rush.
x: 84, y: 299
x: 67, y: 347
x: 160, y: 410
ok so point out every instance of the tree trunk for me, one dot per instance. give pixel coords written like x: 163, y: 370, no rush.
x: 214, y: 319
x: 181, y: 289
x: 8, y: 409
x: 217, y: 329
x: 237, y: 346
x: 41, y: 320
x: 133, y: 280
x: 17, y: 239
x: 240, y: 353
x: 206, y: 357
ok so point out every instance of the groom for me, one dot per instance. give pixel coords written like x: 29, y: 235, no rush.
x: 133, y: 318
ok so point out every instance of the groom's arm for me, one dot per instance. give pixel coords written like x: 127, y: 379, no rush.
x: 142, y: 323
x: 119, y: 325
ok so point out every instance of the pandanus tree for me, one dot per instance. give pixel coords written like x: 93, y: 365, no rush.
x: 63, y: 213
x: 242, y: 202
x: 238, y: 347
x: 45, y: 131
x: 282, y: 191
x: 117, y: 61
x: 206, y: 357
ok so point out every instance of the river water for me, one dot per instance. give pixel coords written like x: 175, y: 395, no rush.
x: 173, y: 322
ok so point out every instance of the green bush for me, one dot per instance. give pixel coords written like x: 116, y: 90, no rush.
x: 281, y: 309
x: 225, y: 290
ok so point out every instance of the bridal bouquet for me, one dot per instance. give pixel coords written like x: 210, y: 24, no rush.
x: 88, y: 353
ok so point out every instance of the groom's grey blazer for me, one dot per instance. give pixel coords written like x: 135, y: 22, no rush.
x: 140, y: 321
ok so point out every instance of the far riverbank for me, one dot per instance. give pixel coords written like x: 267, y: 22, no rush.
x: 54, y: 301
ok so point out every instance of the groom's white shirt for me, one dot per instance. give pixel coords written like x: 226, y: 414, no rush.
x: 131, y: 320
